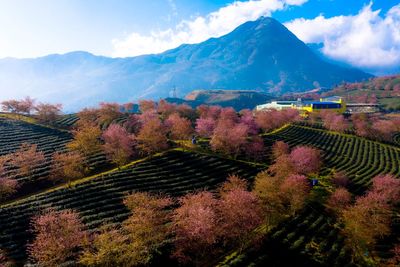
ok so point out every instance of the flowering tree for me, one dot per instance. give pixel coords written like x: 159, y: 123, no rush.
x: 339, y: 200
x: 48, y: 113
x: 254, y: 148
x: 365, y: 222
x: 383, y: 129
x: 195, y: 226
x: 108, y: 112
x: 240, y: 212
x: 152, y: 137
x: 334, y: 121
x: 205, y: 126
x: 229, y: 138
x: 8, y: 186
x: 58, y: 235
x: 133, y: 124
x: 147, y: 228
x: 280, y: 148
x: 87, y: 116
x: 209, y: 111
x: 68, y: 166
x: 388, y: 187
x: 27, y: 158
x: 180, y: 128
x: 306, y: 160
x: 147, y: 105
x: 108, y: 247
x: 119, y: 144
x: 282, y: 167
x: 267, y: 189
x: 247, y: 118
x: 294, y: 191
x: 86, y: 139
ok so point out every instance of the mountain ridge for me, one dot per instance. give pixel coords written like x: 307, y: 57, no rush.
x: 258, y: 55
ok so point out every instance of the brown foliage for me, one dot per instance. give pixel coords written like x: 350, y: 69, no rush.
x: 86, y: 139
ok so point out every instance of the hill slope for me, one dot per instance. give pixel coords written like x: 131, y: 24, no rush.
x: 261, y: 55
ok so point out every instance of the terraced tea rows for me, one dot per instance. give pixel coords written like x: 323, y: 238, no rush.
x: 66, y: 121
x: 13, y: 133
x: 360, y: 158
x: 99, y: 200
x: 312, y: 234
x: 396, y: 139
x: 309, y: 239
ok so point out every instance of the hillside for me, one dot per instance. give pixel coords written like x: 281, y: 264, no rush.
x: 238, y: 99
x: 382, y: 90
x: 259, y: 55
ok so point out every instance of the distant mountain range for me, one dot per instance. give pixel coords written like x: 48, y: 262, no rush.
x: 259, y: 55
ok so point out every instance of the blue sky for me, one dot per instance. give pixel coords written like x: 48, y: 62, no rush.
x: 31, y: 28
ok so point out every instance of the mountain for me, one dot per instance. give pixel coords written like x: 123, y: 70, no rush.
x: 259, y: 55
x: 238, y: 99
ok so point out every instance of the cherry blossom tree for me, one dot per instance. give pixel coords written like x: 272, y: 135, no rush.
x: 306, y: 160
x: 27, y: 158
x: 108, y: 247
x: 205, y: 126
x: 280, y: 148
x: 338, y: 201
x: 119, y: 144
x: 365, y: 222
x: 87, y: 116
x: 247, y: 118
x: 180, y: 128
x: 294, y: 190
x: 152, y: 137
x: 86, y: 139
x: 108, y: 112
x: 388, y: 187
x: 209, y: 111
x: 48, y: 113
x: 282, y: 167
x: 147, y: 105
x: 8, y: 185
x: 195, y: 224
x: 240, y: 212
x: 267, y: 189
x: 254, y: 148
x: 229, y: 138
x: 133, y: 124
x: 147, y: 228
x: 68, y: 166
x: 58, y: 235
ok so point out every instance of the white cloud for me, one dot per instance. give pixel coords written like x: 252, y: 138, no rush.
x: 200, y: 28
x: 363, y: 40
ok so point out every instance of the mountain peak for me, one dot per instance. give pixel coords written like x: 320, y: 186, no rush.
x: 258, y: 55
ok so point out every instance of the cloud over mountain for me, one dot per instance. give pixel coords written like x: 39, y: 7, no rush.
x: 200, y: 28
x: 368, y: 39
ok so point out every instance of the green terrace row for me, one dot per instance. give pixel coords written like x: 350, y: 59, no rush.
x: 360, y: 158
x: 310, y: 239
x: 99, y: 200
x: 14, y: 133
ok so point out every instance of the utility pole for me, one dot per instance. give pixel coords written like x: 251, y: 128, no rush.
x: 174, y: 94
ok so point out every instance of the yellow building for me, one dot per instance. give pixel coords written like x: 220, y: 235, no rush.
x: 332, y: 103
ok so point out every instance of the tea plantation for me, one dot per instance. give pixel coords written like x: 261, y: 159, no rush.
x: 99, y: 200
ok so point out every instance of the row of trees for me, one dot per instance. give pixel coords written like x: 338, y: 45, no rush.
x: 198, y: 227
x: 371, y: 126
x: 44, y: 112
